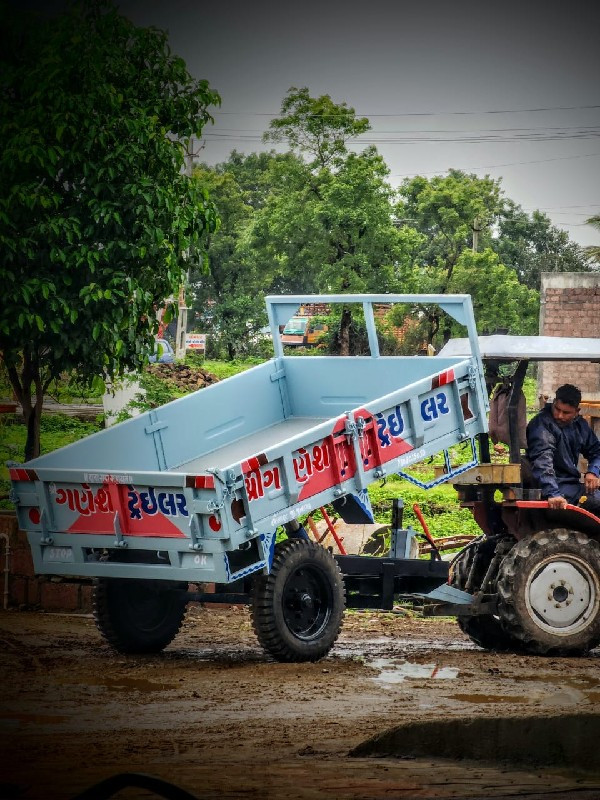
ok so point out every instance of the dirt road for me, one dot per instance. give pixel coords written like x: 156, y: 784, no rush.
x: 219, y: 719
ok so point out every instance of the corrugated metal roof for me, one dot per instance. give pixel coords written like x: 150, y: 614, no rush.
x: 533, y: 348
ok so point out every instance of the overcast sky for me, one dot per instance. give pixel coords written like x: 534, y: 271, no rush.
x: 510, y: 89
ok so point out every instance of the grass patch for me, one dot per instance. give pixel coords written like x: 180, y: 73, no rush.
x: 222, y: 369
x: 440, y: 507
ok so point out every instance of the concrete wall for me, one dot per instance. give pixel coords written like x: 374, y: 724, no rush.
x: 570, y: 306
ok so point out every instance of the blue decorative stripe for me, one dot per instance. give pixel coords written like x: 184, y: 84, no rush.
x: 448, y: 475
x: 234, y: 576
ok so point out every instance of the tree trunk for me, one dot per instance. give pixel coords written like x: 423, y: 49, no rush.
x: 33, y: 419
x: 344, y: 334
x: 434, y: 326
x: 32, y: 412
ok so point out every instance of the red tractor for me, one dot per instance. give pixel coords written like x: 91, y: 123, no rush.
x: 534, y: 573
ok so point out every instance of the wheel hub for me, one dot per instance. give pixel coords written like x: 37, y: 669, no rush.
x: 562, y: 595
x: 306, y: 603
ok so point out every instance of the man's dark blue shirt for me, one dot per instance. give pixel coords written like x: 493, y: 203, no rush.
x: 554, y: 451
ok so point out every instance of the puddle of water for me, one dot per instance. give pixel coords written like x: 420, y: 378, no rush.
x: 395, y: 672
x: 567, y: 696
x: 562, y: 680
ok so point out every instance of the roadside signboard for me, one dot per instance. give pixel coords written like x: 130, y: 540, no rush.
x: 195, y: 341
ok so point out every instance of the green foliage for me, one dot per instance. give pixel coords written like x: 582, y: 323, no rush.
x: 154, y: 392
x: 531, y: 398
x: 225, y: 369
x: 532, y: 245
x: 440, y: 507
x: 316, y: 127
x: 96, y: 213
x: 447, y: 210
x: 499, y: 300
x: 237, y: 278
x: 73, y: 427
x: 69, y: 388
x: 593, y: 251
x: 327, y: 224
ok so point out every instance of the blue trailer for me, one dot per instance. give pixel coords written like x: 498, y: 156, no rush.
x: 194, y: 492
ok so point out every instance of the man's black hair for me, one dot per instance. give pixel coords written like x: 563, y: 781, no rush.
x: 568, y: 394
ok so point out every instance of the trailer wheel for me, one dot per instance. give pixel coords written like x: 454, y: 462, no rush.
x: 484, y: 630
x: 137, y: 616
x: 297, y: 609
x: 549, y: 592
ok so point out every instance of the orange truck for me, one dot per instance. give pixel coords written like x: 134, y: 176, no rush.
x: 303, y: 332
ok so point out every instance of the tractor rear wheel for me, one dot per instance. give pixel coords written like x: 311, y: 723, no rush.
x: 485, y: 630
x: 138, y: 616
x: 549, y: 592
x: 297, y: 609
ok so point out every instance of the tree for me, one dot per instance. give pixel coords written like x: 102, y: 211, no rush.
x: 532, y: 245
x: 237, y: 275
x: 252, y: 173
x: 96, y: 215
x: 316, y: 127
x: 593, y: 251
x: 327, y: 223
x: 499, y: 299
x: 229, y: 284
x: 454, y: 214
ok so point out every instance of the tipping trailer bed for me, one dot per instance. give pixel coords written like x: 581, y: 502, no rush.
x: 195, y: 491
x: 206, y: 480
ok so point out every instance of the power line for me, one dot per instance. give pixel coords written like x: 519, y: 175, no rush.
x: 494, y: 166
x: 529, y: 137
x: 423, y: 113
x: 539, y: 128
x: 563, y: 213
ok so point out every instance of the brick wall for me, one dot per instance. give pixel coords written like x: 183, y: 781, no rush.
x: 570, y: 306
x: 25, y: 590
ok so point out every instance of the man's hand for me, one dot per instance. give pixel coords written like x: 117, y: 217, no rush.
x: 557, y: 502
x: 591, y: 481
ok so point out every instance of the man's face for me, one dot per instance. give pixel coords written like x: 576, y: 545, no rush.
x: 563, y: 413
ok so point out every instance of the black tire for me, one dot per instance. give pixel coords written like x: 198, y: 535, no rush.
x: 486, y: 631
x: 549, y: 593
x: 297, y: 609
x: 137, y: 616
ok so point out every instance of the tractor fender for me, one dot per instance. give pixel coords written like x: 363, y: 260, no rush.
x: 572, y: 517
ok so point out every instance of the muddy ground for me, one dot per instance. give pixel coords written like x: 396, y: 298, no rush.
x: 218, y: 718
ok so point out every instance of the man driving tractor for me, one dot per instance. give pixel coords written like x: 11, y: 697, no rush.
x: 556, y: 437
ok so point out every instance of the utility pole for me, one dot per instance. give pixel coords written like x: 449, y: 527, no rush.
x: 183, y: 308
x: 476, y: 232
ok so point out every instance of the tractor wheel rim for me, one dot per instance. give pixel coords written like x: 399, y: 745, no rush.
x: 562, y: 595
x: 307, y: 600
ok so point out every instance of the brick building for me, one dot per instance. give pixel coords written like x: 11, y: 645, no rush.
x: 21, y: 588
x: 570, y: 306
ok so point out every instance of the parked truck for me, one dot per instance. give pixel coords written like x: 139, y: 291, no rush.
x: 303, y: 332
x: 195, y: 492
